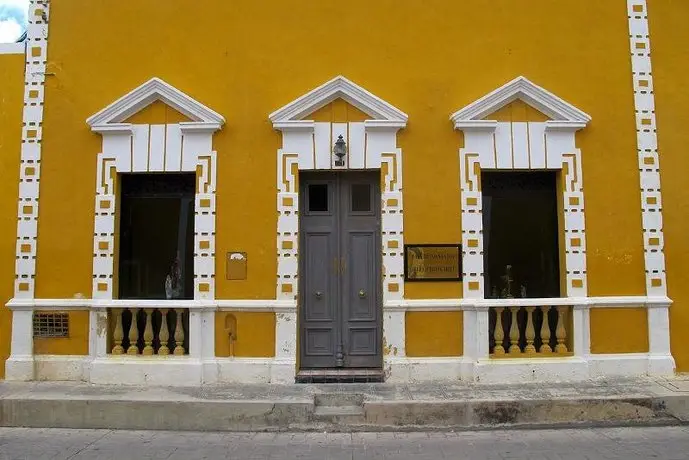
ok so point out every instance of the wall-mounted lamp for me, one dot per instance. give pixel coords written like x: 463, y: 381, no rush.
x: 340, y: 150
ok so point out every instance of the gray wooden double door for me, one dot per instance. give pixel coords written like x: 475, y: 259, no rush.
x: 340, y: 290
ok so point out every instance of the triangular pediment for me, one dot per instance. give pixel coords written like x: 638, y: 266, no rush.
x: 556, y: 109
x: 339, y: 88
x: 153, y: 90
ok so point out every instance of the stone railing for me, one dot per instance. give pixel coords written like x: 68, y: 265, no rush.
x: 530, y: 331
x: 149, y: 331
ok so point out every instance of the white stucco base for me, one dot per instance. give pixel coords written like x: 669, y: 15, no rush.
x: 189, y: 371
x: 530, y: 370
x: 19, y: 368
x: 170, y: 371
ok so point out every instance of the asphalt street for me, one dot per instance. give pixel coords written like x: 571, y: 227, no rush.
x: 578, y: 444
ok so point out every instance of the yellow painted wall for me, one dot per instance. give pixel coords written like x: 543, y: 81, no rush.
x: 157, y: 113
x: 427, y: 58
x: 434, y: 333
x: 670, y: 54
x: 338, y: 111
x: 11, y: 104
x: 619, y: 330
x: 76, y: 344
x: 255, y: 333
x: 517, y: 111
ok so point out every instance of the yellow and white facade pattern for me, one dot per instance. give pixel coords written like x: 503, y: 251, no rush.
x: 614, y: 269
x: 35, y: 74
x: 307, y: 146
x: 649, y: 174
x: 32, y: 135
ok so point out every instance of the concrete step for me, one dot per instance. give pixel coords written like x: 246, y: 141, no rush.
x: 339, y: 399
x: 308, y: 408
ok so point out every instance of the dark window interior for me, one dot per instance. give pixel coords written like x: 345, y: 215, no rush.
x: 318, y: 197
x: 361, y: 197
x: 156, y: 236
x: 520, y: 230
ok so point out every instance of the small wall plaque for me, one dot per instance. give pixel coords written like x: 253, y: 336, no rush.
x: 432, y: 262
x: 236, y: 265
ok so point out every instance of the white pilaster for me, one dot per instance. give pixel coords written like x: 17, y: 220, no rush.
x: 20, y: 364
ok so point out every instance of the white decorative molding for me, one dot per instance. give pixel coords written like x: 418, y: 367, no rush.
x: 518, y: 146
x: 13, y: 48
x: 153, y: 90
x: 154, y: 148
x: 32, y: 137
x: 649, y: 173
x: 307, y: 145
x: 287, y: 306
x: 521, y: 146
x: 36, y: 46
x: 561, y: 113
x: 174, y: 147
x: 338, y: 88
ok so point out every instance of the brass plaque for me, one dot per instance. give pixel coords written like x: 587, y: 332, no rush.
x: 432, y: 262
x: 236, y: 265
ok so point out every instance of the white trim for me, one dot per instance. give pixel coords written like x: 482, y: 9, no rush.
x: 13, y: 48
x: 36, y: 45
x: 338, y: 87
x: 190, y: 371
x: 521, y: 88
x: 649, y: 179
x: 306, y: 145
x: 469, y: 304
x: 288, y: 306
x: 142, y: 96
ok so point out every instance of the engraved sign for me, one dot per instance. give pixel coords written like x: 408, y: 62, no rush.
x: 432, y: 262
x: 236, y: 265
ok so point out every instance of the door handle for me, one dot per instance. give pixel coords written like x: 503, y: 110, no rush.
x: 362, y: 294
x: 318, y: 294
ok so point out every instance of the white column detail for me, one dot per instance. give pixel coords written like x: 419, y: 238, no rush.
x: 19, y: 366
x: 661, y: 361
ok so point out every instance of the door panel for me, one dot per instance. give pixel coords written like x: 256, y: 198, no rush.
x: 340, y: 270
x: 318, y: 293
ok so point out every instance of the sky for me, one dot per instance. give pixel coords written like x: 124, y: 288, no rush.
x: 12, y: 19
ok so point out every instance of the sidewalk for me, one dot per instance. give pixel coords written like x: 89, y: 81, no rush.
x: 345, y: 407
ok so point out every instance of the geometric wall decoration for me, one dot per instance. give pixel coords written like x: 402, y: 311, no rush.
x: 32, y: 136
x: 308, y: 145
x: 550, y: 145
x: 174, y: 147
x: 647, y: 148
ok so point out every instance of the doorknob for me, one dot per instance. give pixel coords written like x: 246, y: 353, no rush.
x: 362, y: 294
x: 318, y: 294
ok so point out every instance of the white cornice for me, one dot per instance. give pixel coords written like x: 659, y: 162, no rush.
x: 338, y: 87
x: 563, y: 114
x: 151, y: 91
x: 13, y: 48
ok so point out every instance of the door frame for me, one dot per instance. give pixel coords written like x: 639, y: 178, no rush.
x: 335, y: 176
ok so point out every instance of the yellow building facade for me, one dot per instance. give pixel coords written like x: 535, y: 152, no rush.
x: 263, y: 191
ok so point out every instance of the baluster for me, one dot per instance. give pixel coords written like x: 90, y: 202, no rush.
x: 545, y: 332
x: 499, y: 333
x: 179, y: 334
x: 118, y: 334
x: 560, y: 331
x: 148, y: 333
x: 133, y: 335
x: 530, y: 333
x: 164, y: 335
x: 514, y: 332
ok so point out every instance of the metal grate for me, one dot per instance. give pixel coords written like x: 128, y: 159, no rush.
x: 50, y: 325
